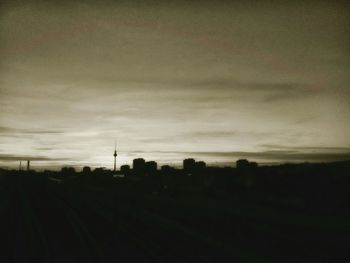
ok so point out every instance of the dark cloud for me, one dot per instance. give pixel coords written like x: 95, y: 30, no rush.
x: 9, y: 157
x: 17, y: 132
x: 5, y: 129
x: 45, y: 148
x: 309, y: 149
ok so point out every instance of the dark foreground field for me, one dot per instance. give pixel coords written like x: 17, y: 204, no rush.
x: 269, y: 216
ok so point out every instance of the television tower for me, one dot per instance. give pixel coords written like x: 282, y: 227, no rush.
x: 115, y: 156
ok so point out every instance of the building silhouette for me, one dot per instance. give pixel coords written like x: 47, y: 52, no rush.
x: 28, y: 165
x: 244, y: 164
x: 166, y: 168
x: 138, y: 165
x: 86, y: 170
x: 200, y: 165
x: 68, y: 170
x: 189, y: 165
x: 101, y: 171
x: 151, y: 167
x: 125, y: 169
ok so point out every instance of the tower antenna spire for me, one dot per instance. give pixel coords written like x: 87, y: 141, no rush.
x: 115, y: 156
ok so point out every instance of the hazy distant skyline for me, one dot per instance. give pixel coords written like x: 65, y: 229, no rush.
x: 172, y: 80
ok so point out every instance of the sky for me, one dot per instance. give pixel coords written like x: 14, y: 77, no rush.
x: 168, y: 80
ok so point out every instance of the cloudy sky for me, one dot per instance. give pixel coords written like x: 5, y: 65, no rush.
x: 212, y: 80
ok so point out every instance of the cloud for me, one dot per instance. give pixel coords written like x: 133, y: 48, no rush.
x: 267, y: 91
x: 308, y: 148
x: 6, y: 129
x: 19, y: 131
x: 10, y: 157
x: 201, y: 84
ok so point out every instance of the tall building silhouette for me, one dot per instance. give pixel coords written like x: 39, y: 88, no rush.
x: 28, y: 165
x: 189, y: 165
x: 138, y: 166
x: 115, y: 157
